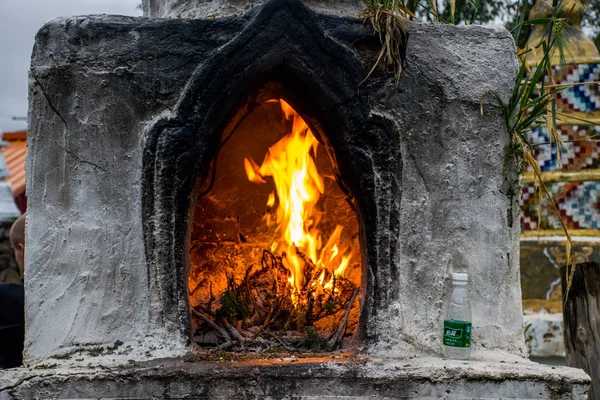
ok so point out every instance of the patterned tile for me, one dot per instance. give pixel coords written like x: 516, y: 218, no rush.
x: 584, y: 98
x: 577, y: 202
x: 576, y: 154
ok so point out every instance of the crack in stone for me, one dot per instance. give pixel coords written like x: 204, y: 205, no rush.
x: 9, y: 390
x: 75, y: 156
x: 47, y: 98
x: 412, y: 156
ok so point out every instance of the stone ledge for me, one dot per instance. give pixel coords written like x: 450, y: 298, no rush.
x: 423, y: 378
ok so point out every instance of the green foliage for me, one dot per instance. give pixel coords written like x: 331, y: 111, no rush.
x: 527, y: 107
x: 233, y: 307
x: 507, y: 12
x: 374, y: 5
x: 531, y: 106
x: 233, y: 304
x: 516, y: 22
x: 464, y: 11
x: 389, y: 19
x: 312, y: 340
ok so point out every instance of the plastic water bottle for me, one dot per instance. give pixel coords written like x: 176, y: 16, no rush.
x: 457, y: 323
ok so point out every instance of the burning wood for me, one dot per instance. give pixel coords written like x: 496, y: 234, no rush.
x: 299, y: 281
x: 263, y: 299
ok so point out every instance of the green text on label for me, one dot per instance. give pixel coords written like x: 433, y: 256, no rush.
x: 457, y: 333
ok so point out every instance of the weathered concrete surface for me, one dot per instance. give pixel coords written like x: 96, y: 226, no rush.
x: 221, y: 8
x: 418, y: 378
x: 124, y: 112
x: 455, y: 215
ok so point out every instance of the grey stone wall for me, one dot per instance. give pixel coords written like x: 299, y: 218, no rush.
x: 113, y: 99
x: 86, y: 272
x: 222, y: 8
x: 455, y: 215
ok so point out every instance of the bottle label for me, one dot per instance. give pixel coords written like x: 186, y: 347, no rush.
x: 457, y: 333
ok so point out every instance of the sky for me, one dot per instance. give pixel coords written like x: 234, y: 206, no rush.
x: 19, y: 22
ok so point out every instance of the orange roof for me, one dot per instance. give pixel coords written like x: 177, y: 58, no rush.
x: 14, y: 154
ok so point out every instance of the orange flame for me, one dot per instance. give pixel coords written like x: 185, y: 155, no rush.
x: 298, y: 187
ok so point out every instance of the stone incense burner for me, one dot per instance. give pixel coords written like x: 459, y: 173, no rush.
x: 139, y: 204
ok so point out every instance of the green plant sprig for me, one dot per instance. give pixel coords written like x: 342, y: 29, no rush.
x: 533, y: 105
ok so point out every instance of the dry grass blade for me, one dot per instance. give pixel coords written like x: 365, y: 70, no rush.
x: 567, y: 117
x: 569, y: 269
x: 433, y: 5
x: 571, y: 84
x: 533, y: 105
x: 389, y: 21
x: 543, y: 189
x: 553, y: 134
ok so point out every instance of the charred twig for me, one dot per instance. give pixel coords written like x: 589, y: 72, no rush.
x: 325, y: 315
x: 193, y: 291
x: 309, y: 267
x: 265, y: 298
x: 235, y: 333
x: 225, y: 345
x: 276, y: 313
x: 339, y: 334
x: 277, y: 339
x: 220, y: 331
x: 334, y: 278
x: 211, y: 298
x: 205, y: 310
x: 269, y: 316
x: 269, y: 346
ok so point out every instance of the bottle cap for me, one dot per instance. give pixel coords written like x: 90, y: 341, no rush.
x: 456, y: 276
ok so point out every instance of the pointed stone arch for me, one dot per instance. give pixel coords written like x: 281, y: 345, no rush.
x: 282, y: 50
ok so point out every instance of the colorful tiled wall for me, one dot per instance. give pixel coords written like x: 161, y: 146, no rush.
x: 581, y: 98
x: 578, y: 202
x: 581, y: 149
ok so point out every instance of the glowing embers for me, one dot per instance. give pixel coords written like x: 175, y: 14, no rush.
x: 287, y: 276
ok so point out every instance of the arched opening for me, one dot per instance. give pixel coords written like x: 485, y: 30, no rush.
x: 274, y: 252
x: 320, y: 78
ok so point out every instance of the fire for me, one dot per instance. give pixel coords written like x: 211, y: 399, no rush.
x: 298, y: 188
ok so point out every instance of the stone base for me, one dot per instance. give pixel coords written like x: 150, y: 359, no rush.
x: 422, y: 378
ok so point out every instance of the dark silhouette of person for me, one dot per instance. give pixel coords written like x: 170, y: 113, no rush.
x: 12, y: 304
